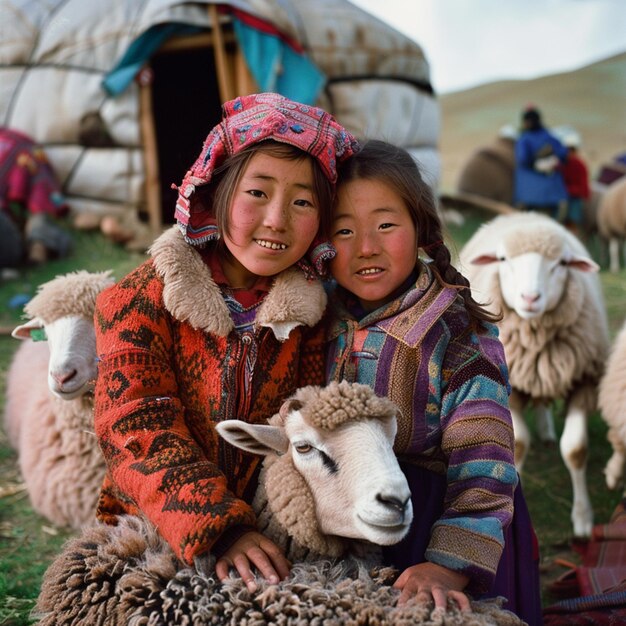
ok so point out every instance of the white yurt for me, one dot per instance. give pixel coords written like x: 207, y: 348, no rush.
x: 121, y: 93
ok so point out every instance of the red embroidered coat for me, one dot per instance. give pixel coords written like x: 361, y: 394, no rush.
x: 171, y: 366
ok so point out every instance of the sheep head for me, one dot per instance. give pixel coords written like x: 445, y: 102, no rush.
x: 339, y: 439
x: 533, y: 267
x: 62, y: 313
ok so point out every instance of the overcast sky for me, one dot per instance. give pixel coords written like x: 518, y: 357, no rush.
x: 469, y: 42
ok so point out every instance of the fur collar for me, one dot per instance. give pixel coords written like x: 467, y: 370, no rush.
x: 191, y: 295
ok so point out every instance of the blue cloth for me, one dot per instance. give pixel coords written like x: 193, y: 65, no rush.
x: 534, y: 188
x: 138, y: 53
x: 277, y: 67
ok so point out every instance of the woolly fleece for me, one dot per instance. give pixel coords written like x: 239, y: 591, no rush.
x: 550, y: 356
x: 128, y: 575
x: 612, y: 395
x: 191, y: 295
x: 71, y: 294
x: 612, y: 211
x: 283, y: 502
x: 58, y: 454
x: 337, y: 403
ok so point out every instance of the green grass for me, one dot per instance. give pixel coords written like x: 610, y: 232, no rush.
x: 28, y: 542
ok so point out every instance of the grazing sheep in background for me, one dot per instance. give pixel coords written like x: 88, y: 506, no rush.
x: 612, y: 220
x: 554, y: 331
x: 49, y: 407
x: 329, y: 473
x: 489, y: 170
x: 612, y: 402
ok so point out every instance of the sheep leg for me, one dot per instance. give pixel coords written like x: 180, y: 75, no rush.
x: 614, y: 469
x: 614, y: 255
x: 545, y: 423
x: 574, y: 448
x: 520, y: 429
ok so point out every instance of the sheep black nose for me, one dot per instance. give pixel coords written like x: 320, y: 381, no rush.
x: 393, y: 502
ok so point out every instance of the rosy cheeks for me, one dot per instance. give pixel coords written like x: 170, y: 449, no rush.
x: 375, y: 239
x: 273, y: 219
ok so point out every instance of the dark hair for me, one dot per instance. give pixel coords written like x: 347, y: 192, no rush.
x: 228, y: 175
x: 533, y: 117
x: 394, y: 166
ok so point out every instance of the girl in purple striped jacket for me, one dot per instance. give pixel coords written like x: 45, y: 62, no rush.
x: 409, y: 327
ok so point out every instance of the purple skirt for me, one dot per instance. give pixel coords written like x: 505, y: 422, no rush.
x: 517, y: 577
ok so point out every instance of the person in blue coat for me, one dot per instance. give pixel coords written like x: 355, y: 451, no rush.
x: 539, y: 185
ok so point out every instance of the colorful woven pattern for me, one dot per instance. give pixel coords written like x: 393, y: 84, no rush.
x: 248, y: 120
x: 451, y: 387
x: 162, y: 386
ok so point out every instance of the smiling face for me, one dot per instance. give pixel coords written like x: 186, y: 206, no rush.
x: 375, y: 239
x: 273, y: 218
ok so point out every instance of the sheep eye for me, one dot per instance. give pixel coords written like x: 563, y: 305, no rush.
x: 501, y: 258
x: 303, y: 448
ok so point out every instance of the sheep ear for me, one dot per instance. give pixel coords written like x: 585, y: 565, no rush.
x: 23, y: 330
x: 485, y: 259
x: 255, y: 438
x: 582, y: 264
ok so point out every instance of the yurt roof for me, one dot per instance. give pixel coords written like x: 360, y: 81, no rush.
x: 57, y: 55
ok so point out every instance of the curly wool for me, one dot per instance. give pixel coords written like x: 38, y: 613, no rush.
x: 29, y: 363
x: 59, y: 458
x: 283, y: 502
x: 71, y: 294
x: 285, y: 512
x: 340, y: 402
x: 131, y: 562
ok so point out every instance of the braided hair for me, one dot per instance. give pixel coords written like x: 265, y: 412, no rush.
x: 394, y: 166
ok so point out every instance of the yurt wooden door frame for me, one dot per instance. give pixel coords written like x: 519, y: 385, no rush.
x: 227, y: 77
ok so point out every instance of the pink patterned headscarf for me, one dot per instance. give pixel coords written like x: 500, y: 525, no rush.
x: 248, y: 120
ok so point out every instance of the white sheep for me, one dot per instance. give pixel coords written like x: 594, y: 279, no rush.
x: 554, y: 331
x: 329, y: 485
x: 612, y: 402
x: 49, y: 404
x: 612, y: 220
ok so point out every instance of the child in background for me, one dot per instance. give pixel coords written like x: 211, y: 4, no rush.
x: 214, y: 327
x: 576, y: 176
x: 411, y: 330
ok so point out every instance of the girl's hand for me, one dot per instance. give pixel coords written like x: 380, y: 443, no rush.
x: 254, y: 550
x: 428, y: 581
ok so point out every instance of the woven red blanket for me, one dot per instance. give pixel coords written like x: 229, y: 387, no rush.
x: 601, y: 579
x: 26, y: 176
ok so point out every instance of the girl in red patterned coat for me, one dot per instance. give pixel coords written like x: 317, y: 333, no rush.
x: 218, y: 324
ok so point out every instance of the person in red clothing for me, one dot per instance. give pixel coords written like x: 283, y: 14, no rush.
x: 31, y: 203
x: 219, y: 324
x: 576, y: 177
